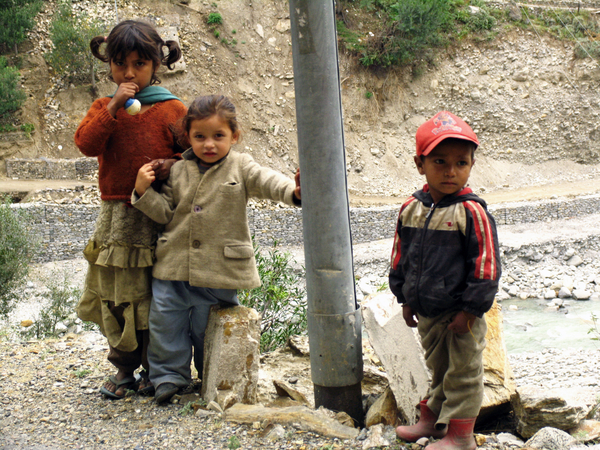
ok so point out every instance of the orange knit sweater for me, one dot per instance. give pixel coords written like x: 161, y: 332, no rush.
x: 126, y: 143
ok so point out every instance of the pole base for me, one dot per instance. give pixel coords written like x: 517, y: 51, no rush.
x: 346, y: 398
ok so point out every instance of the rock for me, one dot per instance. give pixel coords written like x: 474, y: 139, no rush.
x: 580, y: 294
x: 284, y: 390
x: 275, y: 433
x: 400, y: 351
x: 384, y: 410
x: 586, y: 431
x: 307, y: 419
x: 299, y: 344
x: 498, y: 381
x: 423, y: 442
x: 575, y: 260
x: 231, y: 356
x: 549, y: 438
x: 564, y: 292
x: 509, y: 440
x: 536, y: 408
x: 375, y: 438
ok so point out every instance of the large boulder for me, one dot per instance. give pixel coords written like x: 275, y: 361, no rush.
x: 536, y: 408
x: 498, y: 380
x: 400, y: 351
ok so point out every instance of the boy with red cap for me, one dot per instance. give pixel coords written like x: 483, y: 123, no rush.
x: 444, y: 271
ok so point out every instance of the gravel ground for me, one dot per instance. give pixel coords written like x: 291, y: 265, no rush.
x: 49, y: 400
x: 49, y: 395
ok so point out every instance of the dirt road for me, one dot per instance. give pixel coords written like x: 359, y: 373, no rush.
x: 19, y: 188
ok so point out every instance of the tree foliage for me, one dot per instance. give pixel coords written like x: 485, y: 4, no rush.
x: 17, y: 17
x: 11, y: 97
x: 17, y: 248
x: 71, y: 34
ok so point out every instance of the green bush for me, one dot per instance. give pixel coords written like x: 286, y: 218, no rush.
x: 416, y: 27
x: 279, y: 300
x: 587, y: 49
x: 17, y: 248
x: 62, y: 297
x: 11, y: 97
x: 71, y: 35
x: 214, y: 19
x: 17, y: 18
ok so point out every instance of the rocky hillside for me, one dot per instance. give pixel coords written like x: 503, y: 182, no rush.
x: 534, y: 107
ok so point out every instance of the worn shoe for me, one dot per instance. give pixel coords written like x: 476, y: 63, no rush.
x: 459, y: 437
x: 164, y: 392
x: 425, y: 427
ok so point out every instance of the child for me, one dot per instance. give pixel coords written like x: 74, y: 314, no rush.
x: 117, y: 290
x: 205, y: 252
x: 445, y: 271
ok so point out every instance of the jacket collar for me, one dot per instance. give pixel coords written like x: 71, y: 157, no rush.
x: 465, y: 194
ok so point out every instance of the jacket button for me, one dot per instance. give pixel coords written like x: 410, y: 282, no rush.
x: 197, y: 209
x: 196, y: 244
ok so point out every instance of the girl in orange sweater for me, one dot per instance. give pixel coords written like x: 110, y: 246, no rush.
x: 120, y: 252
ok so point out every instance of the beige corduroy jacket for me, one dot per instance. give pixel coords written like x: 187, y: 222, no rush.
x: 207, y: 239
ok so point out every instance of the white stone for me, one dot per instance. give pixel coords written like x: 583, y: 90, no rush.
x: 581, y: 294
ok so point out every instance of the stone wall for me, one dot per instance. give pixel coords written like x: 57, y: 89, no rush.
x: 52, y: 169
x: 65, y: 229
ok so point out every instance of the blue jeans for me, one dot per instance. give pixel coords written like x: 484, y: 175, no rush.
x: 177, y: 322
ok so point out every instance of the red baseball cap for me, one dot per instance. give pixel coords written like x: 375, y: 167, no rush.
x: 442, y: 126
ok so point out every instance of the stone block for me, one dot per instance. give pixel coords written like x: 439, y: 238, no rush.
x: 498, y: 380
x: 231, y: 356
x: 536, y: 408
x: 399, y: 349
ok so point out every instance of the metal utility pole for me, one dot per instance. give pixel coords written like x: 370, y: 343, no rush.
x: 334, y: 319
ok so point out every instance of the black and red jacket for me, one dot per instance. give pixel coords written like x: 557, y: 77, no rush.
x: 445, y: 256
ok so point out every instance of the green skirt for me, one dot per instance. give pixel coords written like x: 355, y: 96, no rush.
x: 120, y: 255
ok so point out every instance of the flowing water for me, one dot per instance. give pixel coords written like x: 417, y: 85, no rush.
x: 534, y: 326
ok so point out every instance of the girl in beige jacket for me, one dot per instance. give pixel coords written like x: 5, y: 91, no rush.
x: 205, y: 252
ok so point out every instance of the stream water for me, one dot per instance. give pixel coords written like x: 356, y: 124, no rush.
x: 534, y: 326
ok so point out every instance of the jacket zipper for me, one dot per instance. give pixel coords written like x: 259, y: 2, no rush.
x: 425, y: 226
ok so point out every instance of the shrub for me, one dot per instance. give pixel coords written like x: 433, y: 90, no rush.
x: 17, y: 248
x: 416, y: 27
x: 71, y: 35
x: 11, y: 98
x: 17, y: 18
x: 62, y: 297
x: 279, y: 299
x: 587, y: 49
x: 214, y: 19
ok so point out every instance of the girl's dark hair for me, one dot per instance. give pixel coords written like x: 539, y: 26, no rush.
x: 142, y: 37
x: 202, y: 108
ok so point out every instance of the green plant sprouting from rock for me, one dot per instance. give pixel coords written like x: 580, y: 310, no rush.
x: 279, y: 300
